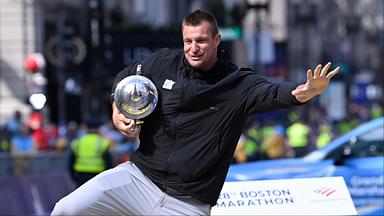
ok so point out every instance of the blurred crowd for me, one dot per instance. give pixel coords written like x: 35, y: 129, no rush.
x: 20, y: 137
x: 298, y: 131
x: 284, y: 134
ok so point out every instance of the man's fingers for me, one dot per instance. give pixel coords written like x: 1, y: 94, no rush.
x: 125, y: 124
x: 127, y: 134
x: 325, y: 69
x: 130, y: 126
x: 124, y: 119
x: 309, y: 75
x: 317, y: 71
x: 129, y: 130
x: 333, y: 73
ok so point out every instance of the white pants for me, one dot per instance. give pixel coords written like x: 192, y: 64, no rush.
x: 125, y: 190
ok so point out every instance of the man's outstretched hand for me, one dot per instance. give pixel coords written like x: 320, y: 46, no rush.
x: 317, y: 82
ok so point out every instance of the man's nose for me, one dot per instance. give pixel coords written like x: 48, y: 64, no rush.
x: 195, y: 47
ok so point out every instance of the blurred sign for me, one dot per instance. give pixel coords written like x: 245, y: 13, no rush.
x: 230, y: 33
x: 129, y: 47
x: 306, y: 196
x: 65, y: 51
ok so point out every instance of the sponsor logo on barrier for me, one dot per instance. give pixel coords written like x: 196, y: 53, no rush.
x: 326, y: 191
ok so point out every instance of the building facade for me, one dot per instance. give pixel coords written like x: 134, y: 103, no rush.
x: 86, y: 42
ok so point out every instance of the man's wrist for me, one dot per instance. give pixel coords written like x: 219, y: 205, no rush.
x: 306, y: 97
x: 303, y: 99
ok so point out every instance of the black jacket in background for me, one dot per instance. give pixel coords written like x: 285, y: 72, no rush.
x: 188, y: 142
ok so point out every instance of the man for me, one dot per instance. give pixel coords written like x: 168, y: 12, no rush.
x: 187, y: 143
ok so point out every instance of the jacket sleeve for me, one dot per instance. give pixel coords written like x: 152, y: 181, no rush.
x: 129, y: 70
x: 257, y: 94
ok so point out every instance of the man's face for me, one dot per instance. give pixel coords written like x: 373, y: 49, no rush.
x: 200, y: 45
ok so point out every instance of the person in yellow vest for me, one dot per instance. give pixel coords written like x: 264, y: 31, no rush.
x: 240, y: 156
x: 89, y: 154
x: 377, y: 110
x: 325, y: 135
x: 298, y: 135
x: 248, y: 146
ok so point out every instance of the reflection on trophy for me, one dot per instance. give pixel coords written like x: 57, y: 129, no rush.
x: 136, y: 96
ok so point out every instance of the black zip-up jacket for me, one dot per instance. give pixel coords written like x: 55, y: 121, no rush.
x: 188, y: 142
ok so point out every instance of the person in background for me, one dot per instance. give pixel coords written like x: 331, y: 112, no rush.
x: 22, y: 142
x: 13, y: 124
x: 298, y: 135
x: 23, y: 147
x: 63, y: 142
x: 324, y: 135
x: 249, y: 145
x: 275, y: 143
x: 89, y: 154
x: 240, y: 156
x: 5, y: 145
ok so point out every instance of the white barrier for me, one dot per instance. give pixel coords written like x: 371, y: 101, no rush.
x: 305, y: 196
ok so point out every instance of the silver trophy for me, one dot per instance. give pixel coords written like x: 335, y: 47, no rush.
x: 136, y: 96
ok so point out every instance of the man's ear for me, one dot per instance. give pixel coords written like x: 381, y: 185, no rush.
x: 217, y: 39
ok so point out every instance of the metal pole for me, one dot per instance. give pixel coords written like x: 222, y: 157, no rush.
x: 24, y: 16
x: 1, y: 69
x: 259, y: 67
x: 61, y: 103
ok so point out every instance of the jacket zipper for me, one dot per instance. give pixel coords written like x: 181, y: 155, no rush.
x: 174, y: 131
x: 173, y: 147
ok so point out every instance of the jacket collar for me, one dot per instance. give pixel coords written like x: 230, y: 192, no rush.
x: 222, y: 67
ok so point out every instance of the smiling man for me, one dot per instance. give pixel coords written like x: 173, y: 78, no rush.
x: 201, y: 41
x: 187, y: 143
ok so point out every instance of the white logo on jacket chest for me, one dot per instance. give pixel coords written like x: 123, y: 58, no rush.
x: 168, y: 84
x: 214, y: 108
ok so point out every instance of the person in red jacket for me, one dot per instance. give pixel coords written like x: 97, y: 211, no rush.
x: 187, y: 143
